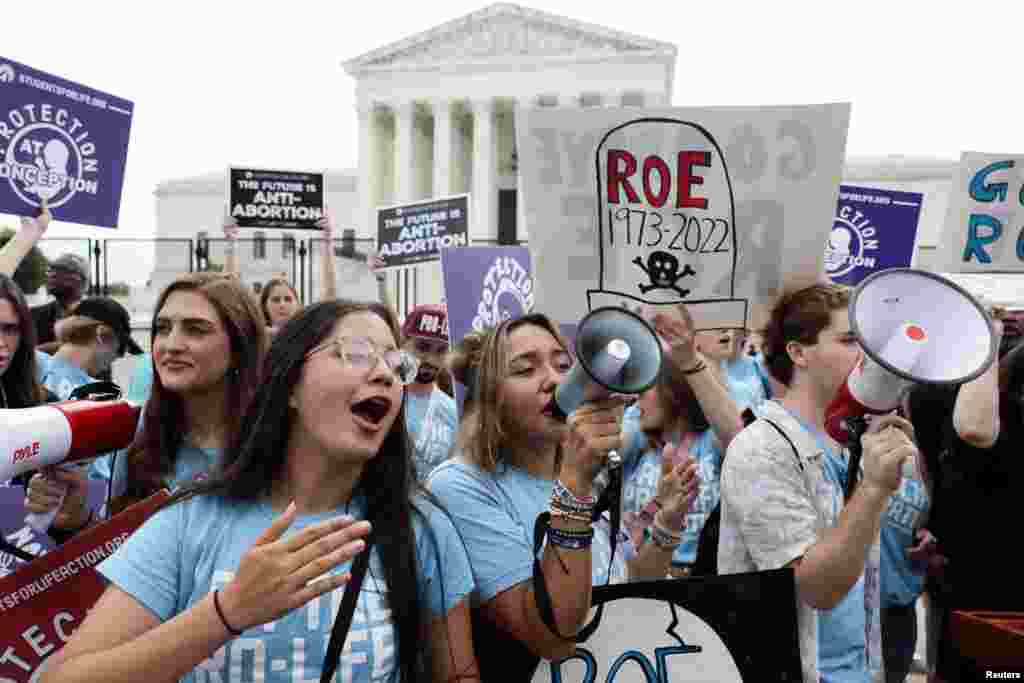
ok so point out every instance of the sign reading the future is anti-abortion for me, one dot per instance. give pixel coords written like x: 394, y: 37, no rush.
x: 873, y: 230
x: 717, y: 208
x: 61, y: 142
x: 984, y: 229
x: 416, y: 233
x: 276, y: 199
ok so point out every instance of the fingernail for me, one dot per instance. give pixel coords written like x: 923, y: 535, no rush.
x: 347, y: 519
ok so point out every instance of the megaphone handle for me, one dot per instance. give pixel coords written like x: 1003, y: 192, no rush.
x: 856, y: 427
x: 41, y: 521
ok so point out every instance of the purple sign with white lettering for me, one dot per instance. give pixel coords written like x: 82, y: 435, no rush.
x: 62, y: 142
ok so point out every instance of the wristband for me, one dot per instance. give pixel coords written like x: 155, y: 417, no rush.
x: 220, y: 613
x: 570, y: 540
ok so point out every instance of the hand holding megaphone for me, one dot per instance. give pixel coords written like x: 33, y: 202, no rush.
x: 594, y: 431
x: 888, y: 444
x: 57, y: 497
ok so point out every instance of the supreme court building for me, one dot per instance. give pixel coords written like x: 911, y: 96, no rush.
x: 437, y: 114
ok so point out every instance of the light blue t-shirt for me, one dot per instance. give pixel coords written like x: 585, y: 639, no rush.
x: 641, y: 473
x: 42, y: 364
x: 432, y: 422
x: 496, y: 514
x: 62, y: 377
x: 192, y: 464
x: 182, y: 553
x: 902, y: 582
x: 747, y: 380
x: 141, y: 382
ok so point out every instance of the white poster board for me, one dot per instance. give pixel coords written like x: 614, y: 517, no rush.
x: 718, y: 208
x: 984, y: 228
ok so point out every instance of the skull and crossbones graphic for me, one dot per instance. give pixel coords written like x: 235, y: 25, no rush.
x: 663, y: 271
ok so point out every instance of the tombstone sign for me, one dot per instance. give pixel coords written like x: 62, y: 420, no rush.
x: 715, y: 208
x: 63, y: 142
x: 984, y: 228
x: 416, y: 233
x: 687, y: 630
x: 874, y: 229
x: 276, y: 199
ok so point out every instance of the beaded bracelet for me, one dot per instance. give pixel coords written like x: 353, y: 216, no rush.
x: 564, y: 495
x: 570, y: 541
x: 556, y: 504
x: 571, y: 516
x: 664, y: 539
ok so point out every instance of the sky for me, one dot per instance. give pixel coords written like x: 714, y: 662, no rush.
x: 261, y: 83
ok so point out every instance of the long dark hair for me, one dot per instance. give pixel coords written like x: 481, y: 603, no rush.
x: 256, y: 458
x: 153, y: 457
x: 21, y: 380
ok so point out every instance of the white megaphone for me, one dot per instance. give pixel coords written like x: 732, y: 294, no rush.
x: 60, y: 434
x: 617, y: 351
x: 915, y: 327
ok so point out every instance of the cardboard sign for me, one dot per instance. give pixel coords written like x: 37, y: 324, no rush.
x: 702, y: 629
x: 716, y: 208
x: 45, y: 601
x: 416, y: 233
x: 873, y: 230
x: 984, y: 228
x: 276, y: 199
x: 61, y: 141
x: 484, y: 286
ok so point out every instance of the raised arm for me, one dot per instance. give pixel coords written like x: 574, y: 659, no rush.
x: 21, y: 243
x: 328, y: 264
x: 375, y: 263
x: 677, y: 331
x: 230, y: 257
x: 976, y: 413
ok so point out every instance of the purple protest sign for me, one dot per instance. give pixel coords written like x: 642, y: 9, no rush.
x: 874, y: 229
x: 484, y: 286
x: 20, y: 534
x: 63, y: 142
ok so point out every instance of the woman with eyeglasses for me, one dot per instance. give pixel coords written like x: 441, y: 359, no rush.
x: 208, y: 343
x: 243, y: 574
x: 430, y: 414
x: 518, y: 460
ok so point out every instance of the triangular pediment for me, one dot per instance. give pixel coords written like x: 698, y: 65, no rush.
x: 505, y: 30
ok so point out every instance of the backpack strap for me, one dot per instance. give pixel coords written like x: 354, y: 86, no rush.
x: 343, y: 619
x: 782, y: 433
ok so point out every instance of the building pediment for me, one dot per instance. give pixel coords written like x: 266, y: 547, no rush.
x: 501, y: 32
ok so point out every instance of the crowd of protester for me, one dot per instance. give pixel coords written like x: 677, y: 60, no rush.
x: 310, y: 449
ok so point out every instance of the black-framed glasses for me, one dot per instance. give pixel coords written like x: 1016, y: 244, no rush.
x: 360, y: 353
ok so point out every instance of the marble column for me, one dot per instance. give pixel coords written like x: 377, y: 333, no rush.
x: 405, y: 151
x: 522, y: 233
x: 443, y: 148
x: 368, y: 168
x: 483, y: 221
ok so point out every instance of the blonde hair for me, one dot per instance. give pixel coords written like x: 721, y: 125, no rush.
x: 79, y: 330
x: 480, y: 362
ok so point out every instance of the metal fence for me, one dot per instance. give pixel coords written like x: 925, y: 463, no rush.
x: 259, y: 260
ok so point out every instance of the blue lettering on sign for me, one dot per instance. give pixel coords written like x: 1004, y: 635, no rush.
x: 982, y: 192
x: 976, y: 243
x: 653, y: 673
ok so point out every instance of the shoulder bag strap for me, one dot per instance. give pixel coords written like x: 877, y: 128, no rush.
x: 343, y: 620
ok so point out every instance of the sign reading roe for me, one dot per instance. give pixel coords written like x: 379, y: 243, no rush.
x: 416, y: 233
x: 667, y: 231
